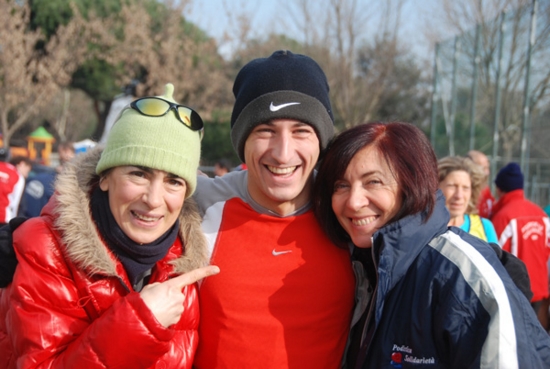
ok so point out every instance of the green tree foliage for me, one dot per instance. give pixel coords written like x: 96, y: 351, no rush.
x: 145, y: 40
x: 407, y: 96
x: 48, y: 15
x: 462, y: 136
x: 216, y: 143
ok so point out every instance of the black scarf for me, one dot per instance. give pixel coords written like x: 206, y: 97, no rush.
x: 136, y: 258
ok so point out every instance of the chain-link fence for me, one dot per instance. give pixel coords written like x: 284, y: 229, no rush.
x: 491, y: 92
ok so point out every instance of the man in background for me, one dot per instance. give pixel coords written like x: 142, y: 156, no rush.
x: 66, y: 152
x: 22, y: 164
x: 40, y: 185
x: 486, y: 199
x: 24, y: 167
x: 118, y: 104
x: 221, y: 168
x: 39, y: 189
x: 523, y: 229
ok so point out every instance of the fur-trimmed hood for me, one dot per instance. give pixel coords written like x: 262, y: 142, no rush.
x: 79, y: 235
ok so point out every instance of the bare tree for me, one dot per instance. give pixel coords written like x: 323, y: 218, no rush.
x: 357, y: 43
x: 460, y: 18
x: 164, y: 52
x: 30, y: 76
x: 69, y: 113
x: 156, y: 51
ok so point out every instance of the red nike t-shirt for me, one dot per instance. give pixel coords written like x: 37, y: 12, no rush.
x: 284, y: 296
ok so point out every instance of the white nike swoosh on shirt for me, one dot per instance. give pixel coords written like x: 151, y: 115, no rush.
x: 279, y: 107
x: 277, y: 253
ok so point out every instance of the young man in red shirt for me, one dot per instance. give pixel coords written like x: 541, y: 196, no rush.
x: 285, y: 293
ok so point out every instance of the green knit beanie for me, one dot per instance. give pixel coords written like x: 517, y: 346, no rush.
x: 162, y: 143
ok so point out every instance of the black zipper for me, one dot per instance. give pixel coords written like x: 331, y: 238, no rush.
x: 369, y: 327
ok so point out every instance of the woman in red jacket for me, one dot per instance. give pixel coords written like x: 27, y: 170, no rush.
x: 97, y: 283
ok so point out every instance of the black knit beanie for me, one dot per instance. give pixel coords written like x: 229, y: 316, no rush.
x: 283, y: 86
x: 509, y: 178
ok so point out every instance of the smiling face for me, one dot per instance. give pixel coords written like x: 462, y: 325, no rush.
x: 280, y: 156
x: 367, y: 197
x: 457, y: 188
x: 145, y: 202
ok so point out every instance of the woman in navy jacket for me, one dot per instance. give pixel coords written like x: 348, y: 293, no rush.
x: 427, y: 296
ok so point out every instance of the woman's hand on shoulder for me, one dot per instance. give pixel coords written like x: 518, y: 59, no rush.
x: 165, y: 300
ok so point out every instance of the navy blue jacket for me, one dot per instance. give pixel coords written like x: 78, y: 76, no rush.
x: 444, y: 300
x: 38, y: 190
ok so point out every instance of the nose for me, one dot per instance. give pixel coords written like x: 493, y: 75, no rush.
x: 357, y: 198
x: 282, y: 147
x: 154, y: 193
x: 459, y: 193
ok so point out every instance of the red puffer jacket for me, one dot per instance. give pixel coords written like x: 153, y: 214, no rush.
x: 71, y: 305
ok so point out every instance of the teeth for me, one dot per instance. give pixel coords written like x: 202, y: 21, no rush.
x: 144, y: 218
x: 363, y: 221
x: 278, y: 170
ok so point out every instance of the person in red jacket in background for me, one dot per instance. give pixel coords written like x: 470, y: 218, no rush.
x: 12, y: 185
x: 523, y: 229
x: 485, y: 200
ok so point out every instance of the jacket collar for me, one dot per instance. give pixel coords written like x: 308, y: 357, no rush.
x: 507, y: 198
x: 399, y: 243
x: 70, y: 213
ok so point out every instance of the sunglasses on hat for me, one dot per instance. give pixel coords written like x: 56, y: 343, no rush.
x: 157, y: 107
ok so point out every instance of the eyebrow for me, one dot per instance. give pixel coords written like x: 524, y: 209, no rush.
x: 150, y: 170
x: 369, y: 173
x: 296, y: 124
x: 145, y: 169
x: 364, y: 175
x: 172, y: 175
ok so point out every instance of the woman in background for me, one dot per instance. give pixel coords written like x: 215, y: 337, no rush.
x: 460, y: 180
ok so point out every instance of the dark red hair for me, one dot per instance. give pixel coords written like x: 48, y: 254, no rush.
x: 408, y: 154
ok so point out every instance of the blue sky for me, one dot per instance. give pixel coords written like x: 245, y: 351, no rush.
x: 267, y: 15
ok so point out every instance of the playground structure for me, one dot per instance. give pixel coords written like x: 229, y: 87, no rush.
x: 39, y: 146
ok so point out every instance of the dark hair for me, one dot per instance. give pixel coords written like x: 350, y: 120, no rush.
x: 4, y: 153
x: 409, y: 155
x: 66, y: 145
x: 224, y: 164
x: 131, y: 88
x: 18, y: 159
